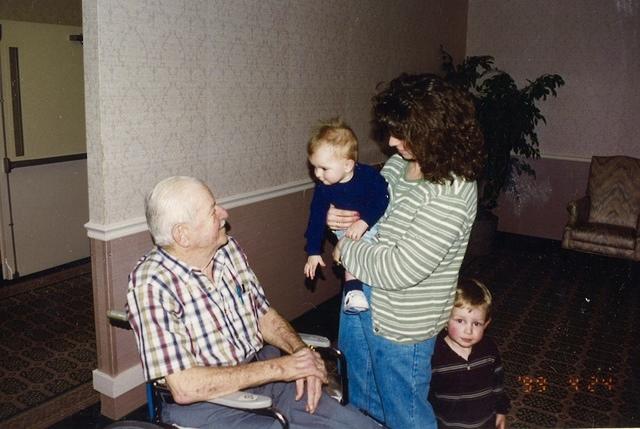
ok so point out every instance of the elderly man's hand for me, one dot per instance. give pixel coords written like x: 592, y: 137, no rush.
x: 338, y: 219
x: 303, y: 363
x: 307, y: 368
x: 314, y: 392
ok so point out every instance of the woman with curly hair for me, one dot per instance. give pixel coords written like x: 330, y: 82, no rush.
x: 411, y: 271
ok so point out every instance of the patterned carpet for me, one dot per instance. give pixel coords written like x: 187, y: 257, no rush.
x: 48, y: 348
x: 567, y: 324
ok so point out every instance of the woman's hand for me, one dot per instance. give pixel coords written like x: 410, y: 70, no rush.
x: 338, y: 219
x: 337, y: 251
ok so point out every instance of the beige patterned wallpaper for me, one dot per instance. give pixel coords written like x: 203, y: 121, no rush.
x: 593, y: 44
x: 228, y: 90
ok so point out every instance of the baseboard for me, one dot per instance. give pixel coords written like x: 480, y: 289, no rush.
x: 44, y: 278
x: 114, y: 386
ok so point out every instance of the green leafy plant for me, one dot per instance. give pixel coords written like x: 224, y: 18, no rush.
x: 508, y: 117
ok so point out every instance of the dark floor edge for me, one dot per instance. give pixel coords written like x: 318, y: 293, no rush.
x: 54, y: 275
x: 48, y: 271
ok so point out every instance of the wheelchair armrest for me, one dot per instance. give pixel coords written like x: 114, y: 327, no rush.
x: 315, y: 340
x: 243, y: 400
x: 258, y: 404
x: 118, y: 318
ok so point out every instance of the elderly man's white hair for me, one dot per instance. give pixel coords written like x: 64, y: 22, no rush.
x: 171, y: 202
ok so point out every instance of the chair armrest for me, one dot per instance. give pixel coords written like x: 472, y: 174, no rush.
x: 578, y: 211
x: 258, y: 404
x: 315, y: 340
x: 119, y: 319
x: 243, y: 400
x: 117, y: 316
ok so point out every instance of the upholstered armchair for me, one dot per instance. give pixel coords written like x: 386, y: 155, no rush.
x: 607, y: 219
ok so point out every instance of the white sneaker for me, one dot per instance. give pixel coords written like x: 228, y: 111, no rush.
x: 355, y: 302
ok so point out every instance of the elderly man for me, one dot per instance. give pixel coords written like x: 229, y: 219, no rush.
x: 201, y: 320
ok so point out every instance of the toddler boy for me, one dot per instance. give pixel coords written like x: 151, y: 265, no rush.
x: 467, y: 375
x: 345, y: 184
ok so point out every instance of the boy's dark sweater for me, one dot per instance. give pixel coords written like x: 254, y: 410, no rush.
x: 467, y: 393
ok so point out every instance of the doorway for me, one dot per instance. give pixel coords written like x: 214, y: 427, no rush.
x: 43, y: 185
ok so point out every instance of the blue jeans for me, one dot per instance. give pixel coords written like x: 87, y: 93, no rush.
x: 388, y: 380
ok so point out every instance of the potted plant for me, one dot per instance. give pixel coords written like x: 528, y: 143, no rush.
x: 508, y: 117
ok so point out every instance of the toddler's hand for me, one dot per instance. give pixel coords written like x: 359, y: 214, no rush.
x: 312, y: 263
x: 356, y: 230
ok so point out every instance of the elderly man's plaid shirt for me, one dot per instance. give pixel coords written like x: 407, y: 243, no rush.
x: 181, y: 319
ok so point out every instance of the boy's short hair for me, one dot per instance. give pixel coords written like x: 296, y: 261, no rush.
x: 471, y: 292
x: 336, y: 133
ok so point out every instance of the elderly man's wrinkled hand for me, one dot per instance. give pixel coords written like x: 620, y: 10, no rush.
x: 312, y: 366
x: 301, y: 364
x: 314, y: 392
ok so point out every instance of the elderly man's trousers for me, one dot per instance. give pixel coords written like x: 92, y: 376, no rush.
x: 329, y: 414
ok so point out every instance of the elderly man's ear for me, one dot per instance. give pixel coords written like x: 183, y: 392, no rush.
x: 180, y: 234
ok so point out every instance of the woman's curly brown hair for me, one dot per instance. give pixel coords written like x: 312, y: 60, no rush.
x: 437, y: 121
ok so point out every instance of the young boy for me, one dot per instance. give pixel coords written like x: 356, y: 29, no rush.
x: 345, y: 184
x: 467, y: 376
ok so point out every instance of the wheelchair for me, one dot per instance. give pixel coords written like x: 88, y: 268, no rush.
x: 258, y: 404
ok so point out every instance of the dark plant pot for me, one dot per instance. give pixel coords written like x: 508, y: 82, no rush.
x: 483, y: 234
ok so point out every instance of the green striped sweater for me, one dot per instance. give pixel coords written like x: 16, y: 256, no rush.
x: 413, y: 267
